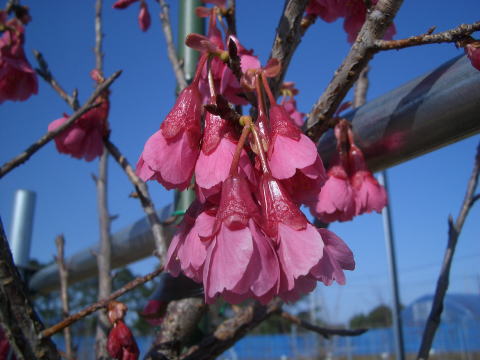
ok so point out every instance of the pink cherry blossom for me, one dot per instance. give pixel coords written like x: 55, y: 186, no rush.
x: 294, y: 156
x: 241, y: 261
x: 336, y: 258
x: 18, y: 80
x: 473, y: 53
x: 170, y: 154
x: 84, y: 139
x: 144, y: 19
x: 213, y: 164
x: 336, y: 201
x: 298, y: 244
x: 369, y: 194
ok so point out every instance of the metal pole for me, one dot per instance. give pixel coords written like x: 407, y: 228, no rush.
x: 22, y: 226
x: 392, y: 264
x: 188, y: 22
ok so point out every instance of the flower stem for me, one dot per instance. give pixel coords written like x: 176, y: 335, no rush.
x: 247, y: 120
x: 271, y: 98
x: 261, y: 153
x: 211, y: 83
x: 198, y: 73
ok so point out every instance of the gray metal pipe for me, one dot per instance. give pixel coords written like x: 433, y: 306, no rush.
x: 128, y: 245
x: 434, y: 110
x: 22, y: 226
x: 429, y: 112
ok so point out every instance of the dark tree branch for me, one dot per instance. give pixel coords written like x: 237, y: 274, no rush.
x: 362, y: 51
x: 171, y: 51
x: 232, y: 330
x: 99, y: 304
x: 63, y: 273
x: 230, y: 17
x: 17, y: 316
x: 32, y: 149
x: 180, y: 321
x: 454, y: 230
x: 288, y: 36
x: 453, y: 35
x: 325, y: 332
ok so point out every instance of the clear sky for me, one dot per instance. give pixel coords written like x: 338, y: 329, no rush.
x: 423, y: 191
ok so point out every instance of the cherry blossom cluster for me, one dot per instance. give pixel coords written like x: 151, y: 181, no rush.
x: 84, y: 139
x: 18, y: 80
x: 351, y: 188
x: 244, y: 236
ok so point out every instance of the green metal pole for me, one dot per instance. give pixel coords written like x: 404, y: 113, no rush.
x: 188, y: 23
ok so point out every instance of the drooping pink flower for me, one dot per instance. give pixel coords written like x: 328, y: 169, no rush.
x: 213, y: 164
x: 144, y: 19
x: 293, y: 156
x: 187, y: 251
x: 298, y: 244
x: 84, y: 139
x: 336, y: 201
x: 123, y: 4
x: 18, y: 80
x: 473, y: 53
x: 241, y: 261
x: 170, y: 154
x: 336, y: 258
x: 154, y: 312
x: 327, y: 10
x: 369, y: 194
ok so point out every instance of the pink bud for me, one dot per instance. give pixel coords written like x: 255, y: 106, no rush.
x: 123, y: 4
x: 144, y: 19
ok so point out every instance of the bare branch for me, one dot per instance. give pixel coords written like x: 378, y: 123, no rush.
x: 99, y: 304
x: 287, y: 38
x: 453, y: 35
x: 32, y: 149
x: 172, y: 53
x: 232, y: 330
x: 17, y: 316
x: 44, y: 72
x: 63, y: 272
x: 230, y: 16
x: 360, y: 54
x: 454, y: 230
x: 98, y: 36
x: 325, y: 332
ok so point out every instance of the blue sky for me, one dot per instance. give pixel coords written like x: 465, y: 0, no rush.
x: 423, y: 191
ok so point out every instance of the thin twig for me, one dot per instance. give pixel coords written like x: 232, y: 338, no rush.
x: 360, y: 54
x: 231, y: 17
x: 32, y: 149
x: 453, y: 35
x: 44, y: 72
x: 100, y: 304
x: 104, y: 256
x: 454, y: 230
x: 171, y: 51
x: 288, y: 36
x: 144, y: 196
x: 325, y: 332
x: 63, y: 272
